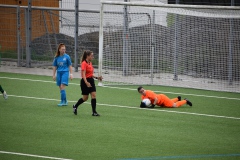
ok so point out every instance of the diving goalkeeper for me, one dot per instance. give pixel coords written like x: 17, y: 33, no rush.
x: 161, y: 99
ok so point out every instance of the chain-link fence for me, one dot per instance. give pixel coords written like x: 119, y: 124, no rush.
x: 30, y: 33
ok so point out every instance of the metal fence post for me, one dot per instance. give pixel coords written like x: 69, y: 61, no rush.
x: 125, y: 60
x: 28, y: 34
x: 230, y: 55
x: 76, y: 37
x: 176, y: 52
x: 18, y: 36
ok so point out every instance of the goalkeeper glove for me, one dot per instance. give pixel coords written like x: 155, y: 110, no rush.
x: 152, y: 106
x: 142, y: 105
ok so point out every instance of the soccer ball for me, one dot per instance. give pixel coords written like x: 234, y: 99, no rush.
x: 147, y: 102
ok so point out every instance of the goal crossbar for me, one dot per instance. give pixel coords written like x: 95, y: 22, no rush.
x: 171, y: 5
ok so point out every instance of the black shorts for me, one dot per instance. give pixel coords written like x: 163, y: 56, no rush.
x: 86, y: 90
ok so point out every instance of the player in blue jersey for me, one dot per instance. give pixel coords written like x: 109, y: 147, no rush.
x: 62, y: 65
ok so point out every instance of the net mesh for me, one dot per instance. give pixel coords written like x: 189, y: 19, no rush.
x: 49, y: 35
x: 49, y: 27
x: 184, y: 47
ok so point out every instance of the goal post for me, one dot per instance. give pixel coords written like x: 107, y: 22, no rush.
x: 100, y: 56
x: 191, y: 46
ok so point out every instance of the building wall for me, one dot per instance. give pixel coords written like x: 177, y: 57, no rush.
x: 8, y: 21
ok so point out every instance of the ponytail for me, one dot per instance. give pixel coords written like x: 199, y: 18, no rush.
x: 85, y: 54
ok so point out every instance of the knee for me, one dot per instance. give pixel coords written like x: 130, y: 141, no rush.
x: 62, y: 87
x: 93, y: 95
x: 85, y: 99
x: 174, y: 105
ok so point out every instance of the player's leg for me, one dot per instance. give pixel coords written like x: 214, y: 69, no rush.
x: 180, y: 103
x: 5, y: 96
x: 58, y: 82
x: 172, y: 103
x: 94, y: 104
x: 64, y: 83
x: 93, y: 98
x: 176, y: 99
x: 167, y: 102
x: 85, y: 93
x: 1, y: 89
x: 79, y: 102
x: 188, y: 102
x: 63, y: 95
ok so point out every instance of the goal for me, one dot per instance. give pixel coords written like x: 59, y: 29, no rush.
x: 172, y: 45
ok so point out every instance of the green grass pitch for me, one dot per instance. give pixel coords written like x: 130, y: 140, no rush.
x: 33, y: 127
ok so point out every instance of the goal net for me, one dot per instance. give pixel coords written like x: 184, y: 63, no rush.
x: 171, y: 45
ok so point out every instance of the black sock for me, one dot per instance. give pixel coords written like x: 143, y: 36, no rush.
x: 80, y: 101
x: 1, y: 89
x: 93, y: 103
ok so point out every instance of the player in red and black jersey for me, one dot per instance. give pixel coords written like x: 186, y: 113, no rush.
x: 87, y: 82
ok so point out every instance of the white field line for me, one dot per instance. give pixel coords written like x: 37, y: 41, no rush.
x: 197, y: 114
x: 32, y: 155
x: 196, y: 95
x: 129, y: 107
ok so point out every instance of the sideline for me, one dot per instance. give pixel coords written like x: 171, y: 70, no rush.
x: 32, y: 155
x: 188, y: 157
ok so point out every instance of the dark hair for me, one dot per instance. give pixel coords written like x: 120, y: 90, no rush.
x: 58, y: 52
x: 139, y: 88
x: 85, y: 54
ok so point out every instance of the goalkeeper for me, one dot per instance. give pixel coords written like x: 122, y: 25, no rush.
x: 161, y: 99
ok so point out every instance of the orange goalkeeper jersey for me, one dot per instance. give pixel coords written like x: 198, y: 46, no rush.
x: 162, y: 100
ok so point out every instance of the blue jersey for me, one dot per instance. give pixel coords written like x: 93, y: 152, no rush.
x: 62, y: 62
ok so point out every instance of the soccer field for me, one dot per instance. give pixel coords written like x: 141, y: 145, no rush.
x: 33, y: 127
